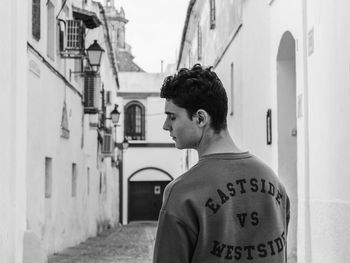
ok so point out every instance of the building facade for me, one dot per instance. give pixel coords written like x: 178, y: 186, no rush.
x: 72, y: 180
x: 285, y: 68
x: 151, y: 161
x: 13, y: 138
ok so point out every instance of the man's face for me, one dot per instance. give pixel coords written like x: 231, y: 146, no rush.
x: 183, y: 130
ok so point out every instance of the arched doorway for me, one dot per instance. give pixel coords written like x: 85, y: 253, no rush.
x: 287, y: 132
x: 146, y: 188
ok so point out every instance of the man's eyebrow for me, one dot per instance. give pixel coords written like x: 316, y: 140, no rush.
x: 169, y: 113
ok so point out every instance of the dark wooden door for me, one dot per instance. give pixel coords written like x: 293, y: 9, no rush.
x: 145, y: 199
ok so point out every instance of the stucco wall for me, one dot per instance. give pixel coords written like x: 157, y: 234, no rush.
x: 64, y: 220
x: 321, y: 102
x: 13, y: 96
x: 329, y: 126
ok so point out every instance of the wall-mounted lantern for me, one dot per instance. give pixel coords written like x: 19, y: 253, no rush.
x: 115, y: 115
x: 94, y: 54
x: 125, y: 144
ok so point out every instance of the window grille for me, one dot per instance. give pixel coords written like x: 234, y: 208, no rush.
x: 74, y: 37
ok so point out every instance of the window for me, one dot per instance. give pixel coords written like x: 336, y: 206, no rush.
x: 48, y: 177
x: 107, y: 146
x: 232, y: 88
x: 108, y: 97
x: 199, y: 51
x: 100, y: 186
x: 36, y: 19
x: 135, y: 121
x: 74, y: 179
x: 75, y: 35
x: 212, y: 14
x: 88, y: 180
x: 50, y: 49
x: 61, y: 35
x: 92, y: 84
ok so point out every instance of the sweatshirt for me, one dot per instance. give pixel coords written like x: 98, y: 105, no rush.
x: 229, y: 207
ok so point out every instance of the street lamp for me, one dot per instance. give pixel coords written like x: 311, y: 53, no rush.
x: 125, y: 144
x: 94, y: 54
x: 115, y: 114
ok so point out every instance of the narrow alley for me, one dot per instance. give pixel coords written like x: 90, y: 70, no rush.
x: 124, y: 244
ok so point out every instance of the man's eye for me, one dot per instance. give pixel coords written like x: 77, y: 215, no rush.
x: 172, y: 118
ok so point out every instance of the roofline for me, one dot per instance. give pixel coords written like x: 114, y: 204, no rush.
x: 184, y: 31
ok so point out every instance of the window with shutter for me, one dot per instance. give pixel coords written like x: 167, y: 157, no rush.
x: 108, y: 97
x: 36, y: 19
x: 91, y: 93
x: 107, y: 143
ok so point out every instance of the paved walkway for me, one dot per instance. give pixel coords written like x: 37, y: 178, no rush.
x: 124, y: 244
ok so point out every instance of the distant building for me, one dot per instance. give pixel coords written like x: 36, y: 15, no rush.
x: 117, y: 23
x: 151, y: 160
x: 285, y: 67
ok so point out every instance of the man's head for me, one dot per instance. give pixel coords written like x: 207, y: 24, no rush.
x: 195, y: 100
x: 198, y: 88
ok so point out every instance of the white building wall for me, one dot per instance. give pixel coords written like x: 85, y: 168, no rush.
x: 63, y: 220
x: 321, y: 104
x: 329, y: 129
x: 13, y: 98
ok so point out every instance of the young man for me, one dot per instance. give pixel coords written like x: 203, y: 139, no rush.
x: 229, y: 207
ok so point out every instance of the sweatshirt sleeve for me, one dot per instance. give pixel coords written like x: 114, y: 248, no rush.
x: 175, y: 241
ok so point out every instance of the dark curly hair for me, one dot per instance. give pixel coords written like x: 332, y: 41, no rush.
x: 198, y: 88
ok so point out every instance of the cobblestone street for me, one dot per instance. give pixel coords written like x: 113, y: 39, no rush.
x: 125, y: 244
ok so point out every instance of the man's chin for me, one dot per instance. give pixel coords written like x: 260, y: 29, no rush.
x: 179, y: 146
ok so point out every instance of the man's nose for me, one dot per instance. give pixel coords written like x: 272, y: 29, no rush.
x: 166, y: 125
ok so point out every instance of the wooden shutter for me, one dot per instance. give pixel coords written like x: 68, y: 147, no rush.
x: 107, y: 143
x: 108, y: 97
x: 91, y: 93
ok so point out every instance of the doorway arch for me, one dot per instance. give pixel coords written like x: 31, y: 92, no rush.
x: 287, y: 132
x: 145, y: 193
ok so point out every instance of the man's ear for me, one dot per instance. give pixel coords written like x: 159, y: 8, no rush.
x: 202, y: 117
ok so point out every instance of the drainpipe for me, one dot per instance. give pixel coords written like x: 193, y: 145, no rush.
x: 308, y: 252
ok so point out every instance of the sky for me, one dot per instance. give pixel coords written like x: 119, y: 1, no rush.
x: 154, y: 30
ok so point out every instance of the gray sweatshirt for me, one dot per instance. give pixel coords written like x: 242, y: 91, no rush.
x: 229, y: 207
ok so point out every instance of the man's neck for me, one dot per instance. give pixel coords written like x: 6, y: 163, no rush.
x: 216, y: 143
